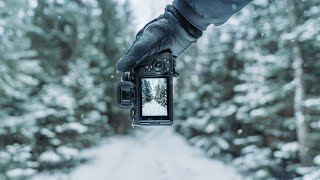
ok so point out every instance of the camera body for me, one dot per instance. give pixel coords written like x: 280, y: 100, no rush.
x: 147, y: 90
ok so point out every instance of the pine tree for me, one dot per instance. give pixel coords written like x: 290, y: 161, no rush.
x: 276, y: 72
x: 206, y: 101
x: 146, y: 91
x: 163, y: 94
x: 157, y: 90
x: 302, y: 129
x: 265, y: 97
x: 116, y: 34
x: 58, y: 102
x: 149, y: 95
x: 18, y: 78
x: 72, y: 65
x: 246, y: 110
x: 143, y: 90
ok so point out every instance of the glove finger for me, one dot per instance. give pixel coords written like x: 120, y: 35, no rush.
x: 155, y: 38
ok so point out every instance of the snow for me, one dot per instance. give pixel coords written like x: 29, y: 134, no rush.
x: 225, y: 37
x: 13, y: 121
x: 58, y: 95
x: 316, y: 160
x: 287, y: 150
x: 47, y: 132
x: 68, y: 152
x: 153, y: 108
x: 74, y: 126
x: 291, y: 147
x: 145, y: 11
x: 312, y: 176
x: 312, y: 102
x: 224, y: 111
x: 258, y: 113
x: 210, y: 128
x: 50, y: 157
x: 155, y: 153
x: 262, y: 3
x: 20, y: 173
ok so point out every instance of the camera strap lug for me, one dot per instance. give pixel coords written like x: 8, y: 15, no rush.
x: 175, y: 69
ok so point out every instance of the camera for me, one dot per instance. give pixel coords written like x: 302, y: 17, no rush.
x: 147, y: 90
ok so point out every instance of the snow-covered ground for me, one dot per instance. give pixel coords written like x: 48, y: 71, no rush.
x: 154, y: 153
x: 153, y: 108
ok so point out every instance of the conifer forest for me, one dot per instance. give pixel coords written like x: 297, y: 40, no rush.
x: 154, y: 96
x: 248, y: 93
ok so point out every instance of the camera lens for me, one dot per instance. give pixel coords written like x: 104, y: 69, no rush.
x: 158, y: 65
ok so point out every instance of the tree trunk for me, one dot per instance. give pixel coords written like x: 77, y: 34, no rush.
x: 111, y: 27
x: 302, y: 127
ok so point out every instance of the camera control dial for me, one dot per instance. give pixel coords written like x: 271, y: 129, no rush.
x: 158, y: 65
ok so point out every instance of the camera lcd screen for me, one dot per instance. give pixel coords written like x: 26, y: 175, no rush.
x: 154, y: 96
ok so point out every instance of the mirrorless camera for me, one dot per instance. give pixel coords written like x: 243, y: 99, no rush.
x: 147, y: 90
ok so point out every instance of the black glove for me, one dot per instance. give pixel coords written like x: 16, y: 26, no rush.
x: 170, y: 31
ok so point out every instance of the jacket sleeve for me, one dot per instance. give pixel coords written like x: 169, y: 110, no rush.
x: 202, y: 13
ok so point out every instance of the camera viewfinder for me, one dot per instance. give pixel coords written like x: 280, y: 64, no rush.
x: 125, y: 95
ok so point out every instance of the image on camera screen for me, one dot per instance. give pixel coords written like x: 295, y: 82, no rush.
x: 154, y: 96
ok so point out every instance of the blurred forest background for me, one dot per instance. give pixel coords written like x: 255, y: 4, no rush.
x: 248, y: 91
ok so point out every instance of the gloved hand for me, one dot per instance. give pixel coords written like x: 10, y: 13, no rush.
x: 171, y: 31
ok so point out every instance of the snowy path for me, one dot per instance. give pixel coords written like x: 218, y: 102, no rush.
x: 153, y: 109
x: 156, y: 153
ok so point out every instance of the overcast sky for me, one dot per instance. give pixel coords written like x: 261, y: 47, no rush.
x: 146, y: 10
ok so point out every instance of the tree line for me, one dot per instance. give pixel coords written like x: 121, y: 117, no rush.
x: 57, y: 80
x: 156, y: 92
x: 249, y: 91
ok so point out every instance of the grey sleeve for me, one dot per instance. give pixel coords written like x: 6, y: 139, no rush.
x: 202, y: 13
